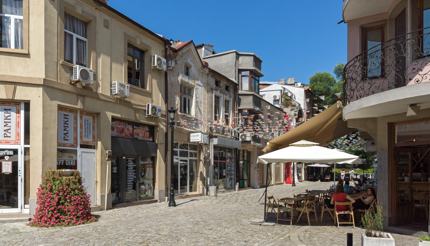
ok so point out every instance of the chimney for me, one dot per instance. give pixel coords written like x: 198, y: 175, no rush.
x: 291, y: 81
x: 207, y: 50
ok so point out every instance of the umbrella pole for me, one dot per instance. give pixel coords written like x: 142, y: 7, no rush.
x: 265, y: 192
x: 334, y: 174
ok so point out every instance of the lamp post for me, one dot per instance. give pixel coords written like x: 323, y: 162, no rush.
x: 171, y: 113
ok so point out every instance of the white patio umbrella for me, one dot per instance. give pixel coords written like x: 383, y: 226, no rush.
x: 318, y: 165
x: 303, y: 151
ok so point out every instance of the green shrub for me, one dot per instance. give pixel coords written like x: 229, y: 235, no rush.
x: 425, y: 238
x: 62, y: 201
x: 373, y: 220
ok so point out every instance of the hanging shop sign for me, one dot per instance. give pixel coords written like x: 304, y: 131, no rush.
x: 9, y: 124
x: 88, y: 129
x: 198, y: 137
x: 66, y: 131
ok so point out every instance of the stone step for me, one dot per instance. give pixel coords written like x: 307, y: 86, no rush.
x: 13, y: 217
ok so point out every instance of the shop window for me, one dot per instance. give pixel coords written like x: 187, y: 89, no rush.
x: 70, y: 123
x: 75, y: 40
x: 185, y: 168
x: 186, y: 99
x: 11, y: 24
x: 136, y: 66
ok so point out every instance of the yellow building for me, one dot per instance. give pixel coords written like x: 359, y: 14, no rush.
x: 79, y: 90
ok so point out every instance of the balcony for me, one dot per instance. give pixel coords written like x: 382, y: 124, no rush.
x: 399, y: 62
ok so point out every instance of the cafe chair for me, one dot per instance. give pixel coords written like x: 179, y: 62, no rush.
x: 349, y: 211
x: 272, y: 205
x: 307, y: 206
x: 286, y: 207
x: 326, y: 209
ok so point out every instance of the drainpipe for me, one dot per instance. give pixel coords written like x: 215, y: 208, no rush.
x: 166, y: 134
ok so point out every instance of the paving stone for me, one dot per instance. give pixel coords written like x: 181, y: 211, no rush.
x: 224, y: 220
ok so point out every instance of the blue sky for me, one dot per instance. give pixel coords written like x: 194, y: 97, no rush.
x: 293, y: 38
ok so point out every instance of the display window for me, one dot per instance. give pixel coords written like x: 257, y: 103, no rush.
x: 185, y: 168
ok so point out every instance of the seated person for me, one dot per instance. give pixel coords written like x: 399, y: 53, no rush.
x: 340, y: 196
x: 365, y: 199
x: 347, y: 188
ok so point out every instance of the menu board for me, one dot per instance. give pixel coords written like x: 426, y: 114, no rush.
x: 131, y: 174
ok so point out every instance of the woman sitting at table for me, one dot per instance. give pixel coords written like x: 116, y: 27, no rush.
x: 364, y: 200
x: 340, y: 196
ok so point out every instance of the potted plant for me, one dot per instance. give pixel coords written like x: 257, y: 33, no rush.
x: 373, y: 222
x: 424, y: 240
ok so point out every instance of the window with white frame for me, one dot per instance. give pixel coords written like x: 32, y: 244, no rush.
x: 186, y: 99
x: 11, y: 24
x: 227, y: 112
x: 75, y: 40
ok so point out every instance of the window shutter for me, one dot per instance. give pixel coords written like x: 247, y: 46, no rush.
x: 198, y: 100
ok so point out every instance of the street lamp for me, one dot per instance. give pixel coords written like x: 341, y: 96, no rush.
x: 171, y: 113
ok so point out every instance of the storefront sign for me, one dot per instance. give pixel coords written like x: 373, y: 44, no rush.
x: 88, y: 129
x: 6, y: 167
x: 138, y: 131
x: 6, y: 153
x: 9, y: 124
x: 143, y: 132
x: 66, y: 131
x: 198, y: 137
x: 226, y: 142
x: 67, y: 159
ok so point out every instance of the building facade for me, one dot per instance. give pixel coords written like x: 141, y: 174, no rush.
x: 74, y: 93
x: 206, y: 149
x: 258, y: 119
x: 387, y: 96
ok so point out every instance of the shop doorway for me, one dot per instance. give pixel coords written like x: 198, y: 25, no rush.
x: 184, y: 175
x: 87, y: 168
x: 10, y: 179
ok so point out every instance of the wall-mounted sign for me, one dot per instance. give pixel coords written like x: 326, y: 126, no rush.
x: 198, y: 137
x: 88, y: 129
x: 126, y: 129
x: 9, y: 124
x: 66, y: 131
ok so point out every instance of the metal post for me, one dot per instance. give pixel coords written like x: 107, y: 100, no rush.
x: 172, y: 111
x: 265, y: 192
x: 294, y: 174
x: 349, y: 239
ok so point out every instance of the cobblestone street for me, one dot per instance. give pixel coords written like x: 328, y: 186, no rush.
x: 224, y: 220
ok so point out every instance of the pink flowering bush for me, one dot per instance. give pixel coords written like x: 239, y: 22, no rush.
x: 62, y: 201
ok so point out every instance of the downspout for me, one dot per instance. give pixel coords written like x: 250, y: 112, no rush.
x: 166, y: 134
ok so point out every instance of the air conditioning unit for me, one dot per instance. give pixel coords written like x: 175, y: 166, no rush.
x: 120, y: 89
x: 83, y: 74
x: 159, y: 63
x: 245, y: 136
x: 153, y: 110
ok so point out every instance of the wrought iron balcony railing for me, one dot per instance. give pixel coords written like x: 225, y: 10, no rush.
x: 401, y: 61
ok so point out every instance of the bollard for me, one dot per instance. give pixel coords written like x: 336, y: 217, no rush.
x: 349, y: 239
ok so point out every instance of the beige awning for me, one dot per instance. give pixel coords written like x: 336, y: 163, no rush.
x: 323, y: 128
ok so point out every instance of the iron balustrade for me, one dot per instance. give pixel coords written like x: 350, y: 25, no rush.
x: 396, y: 63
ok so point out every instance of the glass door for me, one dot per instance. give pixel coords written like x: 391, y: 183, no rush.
x: 183, y: 176
x: 10, y: 179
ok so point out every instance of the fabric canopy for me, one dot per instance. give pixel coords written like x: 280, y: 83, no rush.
x: 323, y: 128
x: 318, y: 165
x: 309, y: 153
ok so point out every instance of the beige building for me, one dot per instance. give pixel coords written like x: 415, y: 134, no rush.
x: 74, y: 93
x: 387, y: 96
x: 205, y: 151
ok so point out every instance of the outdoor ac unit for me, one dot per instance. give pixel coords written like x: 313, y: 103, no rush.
x: 83, y: 74
x: 120, y: 89
x: 159, y: 63
x: 153, y: 110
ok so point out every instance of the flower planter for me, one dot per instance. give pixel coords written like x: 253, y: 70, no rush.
x: 384, y: 239
x: 424, y: 243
